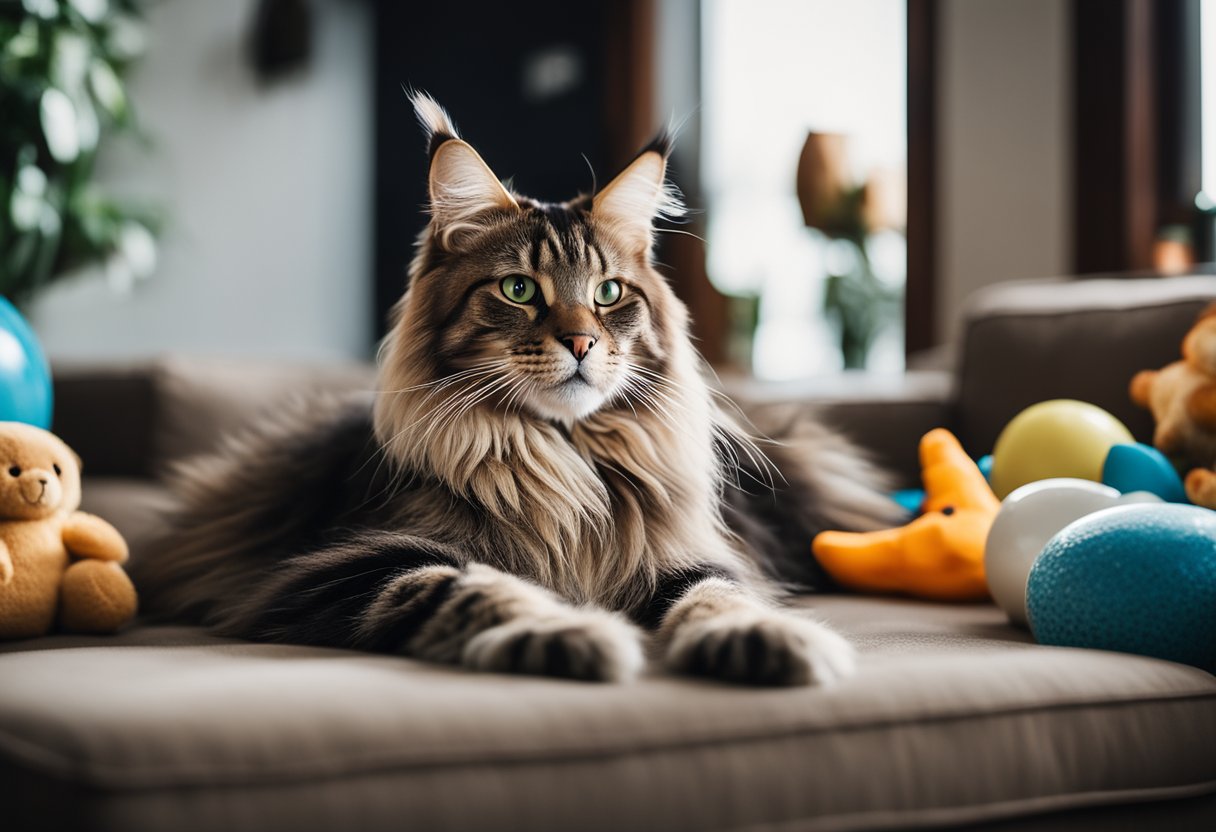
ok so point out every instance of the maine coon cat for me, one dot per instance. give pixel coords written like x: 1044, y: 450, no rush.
x: 543, y: 480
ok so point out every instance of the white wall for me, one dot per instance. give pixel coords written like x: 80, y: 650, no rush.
x: 268, y: 247
x: 1004, y: 196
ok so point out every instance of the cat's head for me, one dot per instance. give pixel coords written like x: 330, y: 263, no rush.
x: 553, y: 309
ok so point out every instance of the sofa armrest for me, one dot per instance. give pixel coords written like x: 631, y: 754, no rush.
x: 885, y: 415
x: 1084, y: 339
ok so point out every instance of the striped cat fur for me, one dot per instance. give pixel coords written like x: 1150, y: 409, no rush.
x: 543, y: 483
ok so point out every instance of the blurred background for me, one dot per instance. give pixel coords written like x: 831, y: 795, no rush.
x: 244, y: 177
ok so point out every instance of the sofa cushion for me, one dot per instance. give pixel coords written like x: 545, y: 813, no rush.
x: 1084, y: 339
x: 133, y: 420
x: 135, y: 506
x: 952, y: 718
x: 200, y: 401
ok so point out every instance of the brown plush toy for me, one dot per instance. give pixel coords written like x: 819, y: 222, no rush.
x: 1182, y: 398
x: 57, y: 564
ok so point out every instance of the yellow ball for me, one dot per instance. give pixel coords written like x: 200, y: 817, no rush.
x: 1057, y: 438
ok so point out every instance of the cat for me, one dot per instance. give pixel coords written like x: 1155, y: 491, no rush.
x: 543, y: 483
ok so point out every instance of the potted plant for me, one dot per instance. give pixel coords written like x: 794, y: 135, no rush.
x: 848, y: 213
x: 62, y: 96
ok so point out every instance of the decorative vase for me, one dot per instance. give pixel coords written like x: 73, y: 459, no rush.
x: 25, y: 376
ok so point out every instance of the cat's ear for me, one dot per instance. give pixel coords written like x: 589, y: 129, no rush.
x: 462, y: 186
x: 639, y: 195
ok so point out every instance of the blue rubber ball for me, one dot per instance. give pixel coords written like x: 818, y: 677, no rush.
x: 1141, y: 467
x: 1137, y: 578
x: 25, y: 378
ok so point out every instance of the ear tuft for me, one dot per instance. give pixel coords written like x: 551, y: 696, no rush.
x: 662, y: 144
x: 640, y: 194
x: 436, y: 123
x: 462, y: 187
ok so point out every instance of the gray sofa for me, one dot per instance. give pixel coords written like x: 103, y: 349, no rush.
x: 955, y: 719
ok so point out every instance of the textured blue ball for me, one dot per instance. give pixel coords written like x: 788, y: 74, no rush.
x: 1138, y: 578
x: 25, y: 378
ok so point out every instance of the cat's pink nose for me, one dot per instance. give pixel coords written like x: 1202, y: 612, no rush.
x: 579, y: 345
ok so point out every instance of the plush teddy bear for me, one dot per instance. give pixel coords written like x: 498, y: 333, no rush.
x: 57, y: 564
x: 1182, y: 398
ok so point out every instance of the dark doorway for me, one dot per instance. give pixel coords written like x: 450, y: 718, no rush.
x: 525, y: 89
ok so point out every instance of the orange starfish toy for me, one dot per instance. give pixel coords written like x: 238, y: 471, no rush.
x: 939, y: 555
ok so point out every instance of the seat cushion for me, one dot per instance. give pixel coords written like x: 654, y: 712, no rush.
x: 952, y: 718
x: 135, y: 506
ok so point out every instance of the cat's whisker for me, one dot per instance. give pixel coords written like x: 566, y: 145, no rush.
x: 764, y: 468
x: 527, y: 389
x: 622, y: 394
x: 443, y: 380
x: 660, y: 380
x: 753, y: 432
x: 759, y: 460
x: 491, y: 390
x: 681, y: 231
x: 524, y: 383
x: 433, y: 416
x: 659, y: 377
x: 652, y: 404
x: 756, y: 456
x: 476, y: 394
x: 453, y: 407
x: 479, y: 375
x: 655, y: 389
x: 504, y: 399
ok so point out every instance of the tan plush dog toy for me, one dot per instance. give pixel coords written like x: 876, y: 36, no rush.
x: 55, y: 562
x: 1182, y: 398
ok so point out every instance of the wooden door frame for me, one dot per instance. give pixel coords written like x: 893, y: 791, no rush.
x: 920, y: 294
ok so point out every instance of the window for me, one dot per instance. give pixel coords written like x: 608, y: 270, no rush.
x: 1207, y: 87
x: 774, y: 70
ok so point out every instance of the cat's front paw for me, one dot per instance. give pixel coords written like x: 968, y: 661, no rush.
x: 590, y: 645
x: 761, y: 647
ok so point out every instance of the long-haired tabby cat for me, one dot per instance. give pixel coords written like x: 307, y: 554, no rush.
x: 544, y: 480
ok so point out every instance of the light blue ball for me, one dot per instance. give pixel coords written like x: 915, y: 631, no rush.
x: 1138, y: 578
x: 985, y: 466
x: 910, y: 499
x: 25, y: 377
x: 1141, y: 467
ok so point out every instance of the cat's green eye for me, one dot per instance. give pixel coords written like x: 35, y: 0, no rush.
x: 608, y: 293
x: 519, y: 288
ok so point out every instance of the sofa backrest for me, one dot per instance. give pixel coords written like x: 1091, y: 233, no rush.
x: 1082, y: 339
x: 135, y: 420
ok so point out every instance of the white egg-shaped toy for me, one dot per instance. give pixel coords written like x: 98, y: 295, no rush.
x: 1028, y: 519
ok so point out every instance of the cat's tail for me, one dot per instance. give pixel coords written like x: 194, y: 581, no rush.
x: 789, y: 477
x: 239, y: 509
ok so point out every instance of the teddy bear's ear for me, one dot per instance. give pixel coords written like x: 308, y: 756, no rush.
x: 1201, y: 407
x: 79, y: 461
x: 1142, y: 387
